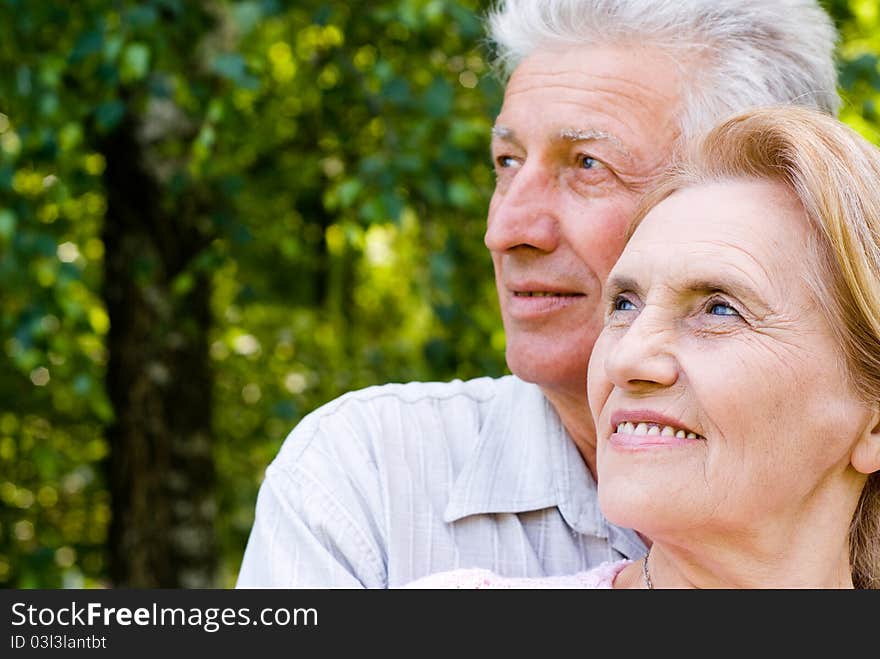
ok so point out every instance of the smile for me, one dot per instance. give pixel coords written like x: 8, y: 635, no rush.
x: 655, y: 430
x: 535, y: 302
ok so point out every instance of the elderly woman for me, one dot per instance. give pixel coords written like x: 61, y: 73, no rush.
x: 736, y: 384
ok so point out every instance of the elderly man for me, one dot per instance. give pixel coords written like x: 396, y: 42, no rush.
x: 388, y: 484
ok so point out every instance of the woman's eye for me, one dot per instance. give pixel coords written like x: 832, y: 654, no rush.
x: 622, y: 304
x: 722, y: 309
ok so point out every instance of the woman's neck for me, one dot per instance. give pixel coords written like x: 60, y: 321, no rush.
x: 803, y: 545
x: 739, y: 565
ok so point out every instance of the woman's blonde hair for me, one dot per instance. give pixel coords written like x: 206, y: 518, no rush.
x: 835, y: 174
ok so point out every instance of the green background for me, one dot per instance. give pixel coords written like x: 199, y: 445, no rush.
x: 317, y: 183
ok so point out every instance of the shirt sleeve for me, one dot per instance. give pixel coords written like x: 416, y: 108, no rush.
x: 314, y: 525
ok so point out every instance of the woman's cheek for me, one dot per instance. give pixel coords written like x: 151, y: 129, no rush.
x: 598, y: 385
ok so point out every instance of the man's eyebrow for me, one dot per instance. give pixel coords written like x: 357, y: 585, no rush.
x: 573, y: 135
x: 590, y: 134
x: 567, y: 134
x: 503, y: 132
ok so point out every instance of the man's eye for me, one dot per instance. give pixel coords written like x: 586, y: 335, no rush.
x: 622, y: 304
x: 722, y: 309
x: 586, y: 162
x: 506, y: 161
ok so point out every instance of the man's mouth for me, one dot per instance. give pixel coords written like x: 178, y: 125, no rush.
x: 537, y: 301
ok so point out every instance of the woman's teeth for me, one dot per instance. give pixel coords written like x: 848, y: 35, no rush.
x: 653, y: 429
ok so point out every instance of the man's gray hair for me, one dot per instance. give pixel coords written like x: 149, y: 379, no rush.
x: 733, y: 54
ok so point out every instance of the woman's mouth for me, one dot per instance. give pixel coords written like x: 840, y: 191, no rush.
x: 650, y: 429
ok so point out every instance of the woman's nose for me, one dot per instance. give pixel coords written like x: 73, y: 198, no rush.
x: 643, y: 355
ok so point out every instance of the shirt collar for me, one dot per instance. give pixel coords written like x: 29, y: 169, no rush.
x: 525, y: 460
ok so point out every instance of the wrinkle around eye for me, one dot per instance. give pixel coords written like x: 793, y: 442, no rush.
x: 588, y: 180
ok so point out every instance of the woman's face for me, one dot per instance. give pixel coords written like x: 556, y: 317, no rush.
x: 719, y: 391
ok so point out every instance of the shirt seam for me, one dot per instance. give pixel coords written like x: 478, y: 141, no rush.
x: 355, y: 398
x: 319, y: 417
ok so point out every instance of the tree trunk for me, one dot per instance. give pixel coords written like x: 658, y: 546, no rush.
x: 161, y: 468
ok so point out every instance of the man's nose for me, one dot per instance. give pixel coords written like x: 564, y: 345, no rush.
x: 525, y: 214
x: 643, y: 357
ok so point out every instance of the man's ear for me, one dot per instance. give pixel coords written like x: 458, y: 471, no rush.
x: 866, y: 453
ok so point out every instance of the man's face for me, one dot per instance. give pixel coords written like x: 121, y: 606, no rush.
x: 580, y: 136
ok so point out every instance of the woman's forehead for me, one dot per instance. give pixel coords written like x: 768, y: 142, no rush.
x: 756, y: 227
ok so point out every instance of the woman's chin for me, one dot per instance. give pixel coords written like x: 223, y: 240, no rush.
x: 629, y: 513
x: 636, y: 505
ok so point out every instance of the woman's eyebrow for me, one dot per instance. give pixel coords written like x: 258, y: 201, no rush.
x: 738, y: 287
x: 731, y: 285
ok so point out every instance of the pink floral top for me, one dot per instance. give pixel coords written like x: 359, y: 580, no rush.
x: 601, y: 576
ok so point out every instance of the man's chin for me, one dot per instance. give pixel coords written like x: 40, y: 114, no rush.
x: 550, y: 373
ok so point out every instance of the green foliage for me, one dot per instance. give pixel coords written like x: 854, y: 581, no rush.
x: 859, y: 25
x: 342, y: 149
x: 337, y: 152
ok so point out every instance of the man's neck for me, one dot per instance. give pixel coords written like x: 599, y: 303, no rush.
x: 575, y: 416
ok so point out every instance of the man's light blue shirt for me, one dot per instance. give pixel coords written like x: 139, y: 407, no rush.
x: 388, y: 484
